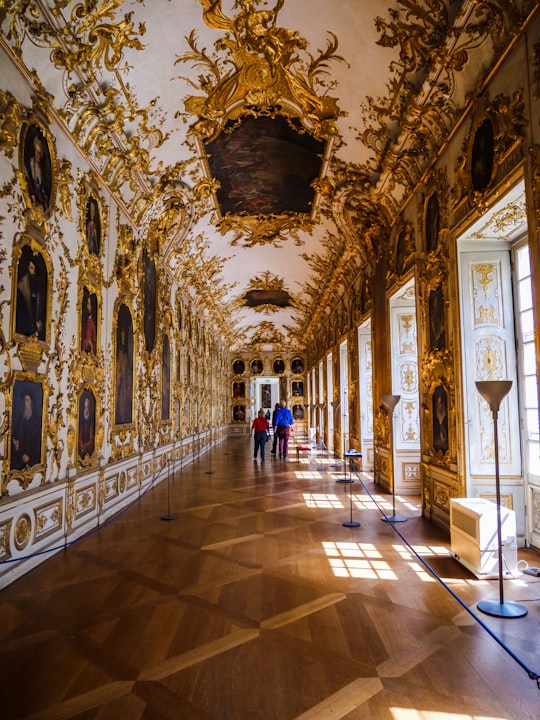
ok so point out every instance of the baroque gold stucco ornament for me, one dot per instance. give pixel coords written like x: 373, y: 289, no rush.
x: 259, y: 70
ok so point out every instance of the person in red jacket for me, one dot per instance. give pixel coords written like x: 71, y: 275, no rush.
x: 261, y: 429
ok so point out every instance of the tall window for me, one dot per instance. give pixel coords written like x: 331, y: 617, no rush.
x: 527, y: 360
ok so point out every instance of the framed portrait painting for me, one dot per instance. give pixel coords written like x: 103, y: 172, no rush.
x: 432, y: 222
x: 238, y: 367
x: 482, y: 156
x: 266, y: 396
x: 166, y: 379
x: 89, y: 312
x: 239, y: 389
x: 239, y: 413
x: 31, y: 301
x: 38, y: 166
x: 93, y: 226
x: 440, y: 419
x: 298, y: 412
x: 26, y: 444
x: 297, y: 388
x: 124, y: 367
x: 149, y: 301
x: 297, y: 366
x: 437, y: 329
x: 279, y: 366
x: 86, y: 433
x: 257, y: 366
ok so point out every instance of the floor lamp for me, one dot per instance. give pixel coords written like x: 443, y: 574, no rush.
x: 389, y: 402
x: 493, y: 391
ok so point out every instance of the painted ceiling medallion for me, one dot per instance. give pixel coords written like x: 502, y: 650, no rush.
x: 267, y: 294
x: 263, y: 129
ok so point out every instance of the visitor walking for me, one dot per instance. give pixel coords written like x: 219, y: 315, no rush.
x: 261, y: 429
x: 274, y: 429
x: 284, y: 421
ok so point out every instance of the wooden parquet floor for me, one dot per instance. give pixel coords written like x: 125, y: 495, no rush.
x: 257, y: 603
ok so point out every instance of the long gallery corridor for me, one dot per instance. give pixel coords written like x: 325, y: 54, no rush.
x: 252, y: 600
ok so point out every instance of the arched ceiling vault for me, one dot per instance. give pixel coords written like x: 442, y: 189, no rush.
x: 264, y: 149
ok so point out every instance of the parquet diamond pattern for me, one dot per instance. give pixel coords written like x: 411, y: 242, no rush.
x: 256, y: 603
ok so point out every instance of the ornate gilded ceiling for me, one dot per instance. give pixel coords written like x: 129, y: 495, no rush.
x: 267, y: 146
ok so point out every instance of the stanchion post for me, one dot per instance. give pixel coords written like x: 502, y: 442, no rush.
x: 493, y: 391
x: 351, y: 523
x: 210, y: 471
x: 168, y: 516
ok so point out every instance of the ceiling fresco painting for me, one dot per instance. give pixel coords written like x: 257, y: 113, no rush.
x: 265, y: 166
x: 267, y: 294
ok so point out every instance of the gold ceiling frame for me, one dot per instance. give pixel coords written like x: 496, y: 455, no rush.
x: 262, y: 229
x: 272, y: 75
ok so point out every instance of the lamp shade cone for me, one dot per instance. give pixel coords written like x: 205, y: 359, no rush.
x: 493, y: 391
x: 390, y: 402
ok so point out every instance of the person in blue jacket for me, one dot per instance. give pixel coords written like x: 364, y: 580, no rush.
x: 283, y: 423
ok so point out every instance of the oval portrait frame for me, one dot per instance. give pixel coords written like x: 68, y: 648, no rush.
x: 37, y: 163
x: 257, y: 366
x: 482, y: 156
x: 238, y: 366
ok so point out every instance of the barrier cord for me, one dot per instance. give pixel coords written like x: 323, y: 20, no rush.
x: 531, y: 673
x: 97, y: 528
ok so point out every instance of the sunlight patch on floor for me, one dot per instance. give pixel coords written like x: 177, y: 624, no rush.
x: 413, y: 714
x: 432, y: 550
x: 357, y: 560
x: 363, y: 503
x: 322, y: 500
x: 427, y: 551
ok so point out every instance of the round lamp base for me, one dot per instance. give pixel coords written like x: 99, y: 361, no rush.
x: 503, y: 610
x: 394, y: 518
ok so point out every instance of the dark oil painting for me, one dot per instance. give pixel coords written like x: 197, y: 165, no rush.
x: 265, y: 166
x: 26, y: 424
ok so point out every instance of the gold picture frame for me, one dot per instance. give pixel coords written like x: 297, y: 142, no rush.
x: 37, y: 166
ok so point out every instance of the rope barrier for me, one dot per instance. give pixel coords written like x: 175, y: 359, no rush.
x: 531, y: 673
x: 91, y: 532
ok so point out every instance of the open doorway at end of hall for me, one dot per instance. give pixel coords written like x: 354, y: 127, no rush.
x: 265, y: 395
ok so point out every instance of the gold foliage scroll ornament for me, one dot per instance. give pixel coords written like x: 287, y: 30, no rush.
x: 267, y: 333
x: 94, y: 38
x: 431, y: 40
x: 263, y: 79
x: 10, y: 119
x: 65, y: 181
x: 251, y: 230
x: 97, y: 42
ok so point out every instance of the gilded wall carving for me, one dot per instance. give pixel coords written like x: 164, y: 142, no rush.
x: 495, y: 137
